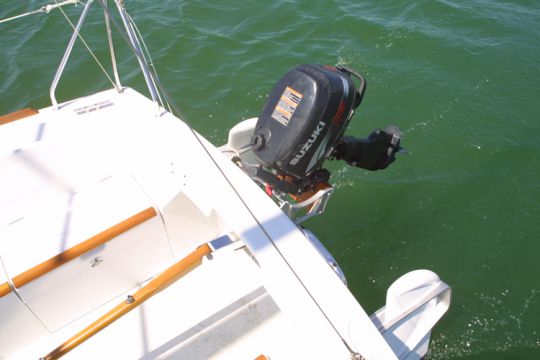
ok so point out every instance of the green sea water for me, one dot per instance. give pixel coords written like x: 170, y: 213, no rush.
x: 460, y: 78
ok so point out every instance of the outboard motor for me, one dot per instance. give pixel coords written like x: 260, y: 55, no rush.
x: 303, y: 123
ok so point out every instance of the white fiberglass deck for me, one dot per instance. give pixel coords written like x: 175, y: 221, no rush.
x: 68, y: 174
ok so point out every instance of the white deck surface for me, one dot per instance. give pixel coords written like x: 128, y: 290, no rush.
x: 68, y: 174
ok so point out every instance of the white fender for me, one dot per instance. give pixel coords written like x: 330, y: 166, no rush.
x: 414, y: 304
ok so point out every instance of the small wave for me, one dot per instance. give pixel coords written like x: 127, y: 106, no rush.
x: 496, y: 328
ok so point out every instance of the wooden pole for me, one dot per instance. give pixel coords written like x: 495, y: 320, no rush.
x: 19, y: 114
x: 160, y: 282
x: 78, y: 250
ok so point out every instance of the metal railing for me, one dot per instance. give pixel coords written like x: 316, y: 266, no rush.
x: 131, y: 38
x: 65, y: 58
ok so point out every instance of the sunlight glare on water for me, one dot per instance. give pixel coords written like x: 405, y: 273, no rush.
x: 461, y: 79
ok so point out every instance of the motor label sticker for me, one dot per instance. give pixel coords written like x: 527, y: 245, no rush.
x: 287, y: 105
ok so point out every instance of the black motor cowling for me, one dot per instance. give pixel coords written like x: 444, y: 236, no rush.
x: 308, y: 110
x: 303, y: 123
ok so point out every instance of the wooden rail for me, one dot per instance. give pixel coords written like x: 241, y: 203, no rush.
x: 16, y: 115
x: 77, y: 250
x: 160, y: 282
